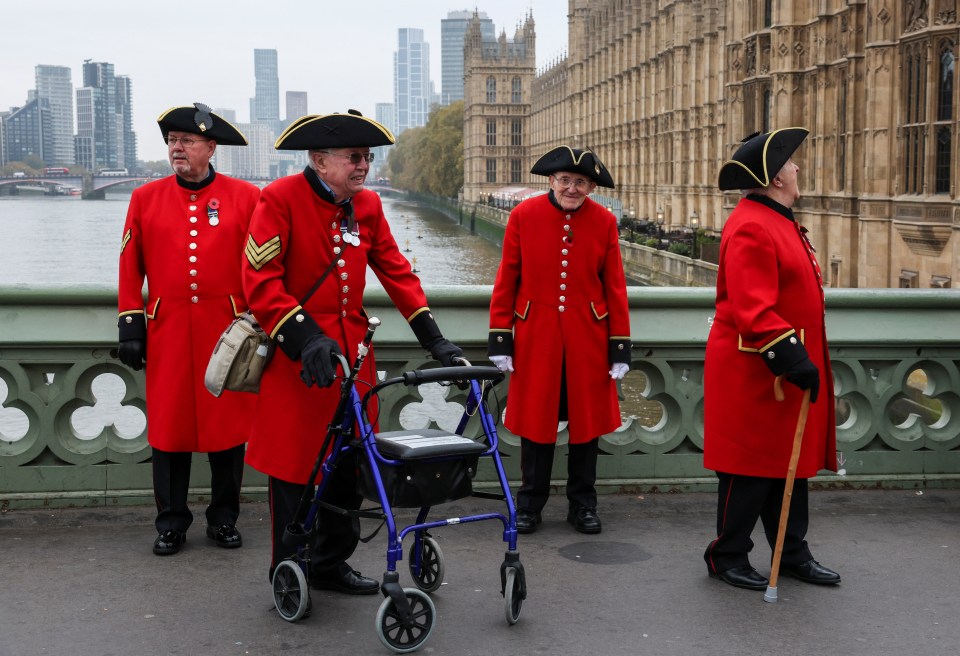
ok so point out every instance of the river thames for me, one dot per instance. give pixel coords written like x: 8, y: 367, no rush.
x: 63, y: 242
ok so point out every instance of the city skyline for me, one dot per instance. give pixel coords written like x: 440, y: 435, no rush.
x: 165, y: 72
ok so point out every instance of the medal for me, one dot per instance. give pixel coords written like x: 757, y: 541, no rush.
x: 213, y: 215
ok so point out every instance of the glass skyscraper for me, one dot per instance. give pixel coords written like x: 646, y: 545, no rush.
x: 55, y: 89
x: 453, y: 30
x: 411, y: 80
x: 265, y: 104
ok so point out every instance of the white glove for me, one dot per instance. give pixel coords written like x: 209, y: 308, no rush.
x: 503, y: 362
x: 619, y: 370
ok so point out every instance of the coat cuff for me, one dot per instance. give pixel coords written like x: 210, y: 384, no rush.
x: 619, y: 350
x: 425, y: 327
x: 294, y: 331
x: 500, y: 342
x: 783, y: 352
x: 132, y: 325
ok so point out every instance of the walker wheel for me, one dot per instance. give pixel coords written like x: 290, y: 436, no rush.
x: 512, y: 597
x: 428, y: 573
x: 394, y: 634
x: 291, y: 595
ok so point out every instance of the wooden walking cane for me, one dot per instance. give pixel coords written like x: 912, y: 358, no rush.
x: 771, y: 594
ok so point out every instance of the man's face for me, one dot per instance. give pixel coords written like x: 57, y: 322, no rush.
x: 788, y: 179
x: 189, y: 154
x: 570, y: 189
x: 343, y: 169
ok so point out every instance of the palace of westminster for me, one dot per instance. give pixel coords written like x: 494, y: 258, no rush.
x: 664, y: 90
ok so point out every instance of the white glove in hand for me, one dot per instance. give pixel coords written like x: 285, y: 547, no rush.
x: 619, y: 370
x: 503, y: 362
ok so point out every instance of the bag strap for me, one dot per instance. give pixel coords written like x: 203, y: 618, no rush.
x: 319, y: 282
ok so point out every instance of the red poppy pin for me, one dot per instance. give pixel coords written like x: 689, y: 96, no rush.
x: 214, y: 204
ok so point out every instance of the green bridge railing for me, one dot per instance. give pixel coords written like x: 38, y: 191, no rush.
x: 73, y: 430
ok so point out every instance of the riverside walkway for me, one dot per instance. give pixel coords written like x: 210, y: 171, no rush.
x: 83, y: 582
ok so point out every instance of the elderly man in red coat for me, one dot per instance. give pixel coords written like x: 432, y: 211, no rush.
x: 185, y: 235
x: 769, y: 322
x: 322, y: 225
x: 559, y: 321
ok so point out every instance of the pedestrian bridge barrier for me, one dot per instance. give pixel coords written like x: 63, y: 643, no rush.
x: 73, y: 427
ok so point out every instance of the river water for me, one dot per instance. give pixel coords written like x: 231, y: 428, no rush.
x: 68, y: 242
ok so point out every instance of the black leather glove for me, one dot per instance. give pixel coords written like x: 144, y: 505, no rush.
x: 430, y: 338
x: 445, y: 352
x: 133, y: 353
x: 316, y: 359
x: 788, y: 358
x: 805, y: 375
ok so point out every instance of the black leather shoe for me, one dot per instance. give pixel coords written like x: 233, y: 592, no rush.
x: 346, y: 580
x: 527, y: 521
x: 169, y: 542
x: 811, y: 572
x: 742, y: 577
x: 584, y: 520
x: 225, y: 535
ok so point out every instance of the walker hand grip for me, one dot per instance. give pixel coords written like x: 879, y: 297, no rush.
x: 450, y: 374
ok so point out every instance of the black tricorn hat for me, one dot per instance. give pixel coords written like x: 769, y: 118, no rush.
x: 198, y: 119
x: 759, y: 158
x: 574, y: 160
x: 350, y: 130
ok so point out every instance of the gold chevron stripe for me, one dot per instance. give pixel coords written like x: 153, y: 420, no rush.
x: 259, y: 255
x: 126, y: 237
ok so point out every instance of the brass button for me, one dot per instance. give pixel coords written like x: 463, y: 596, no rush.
x: 193, y: 233
x: 563, y: 263
x: 193, y: 208
x: 128, y: 319
x: 564, y: 251
x: 333, y: 225
x: 563, y: 275
x: 193, y: 286
x: 299, y: 318
x: 500, y: 338
x: 193, y: 246
x: 344, y: 275
x: 193, y: 272
x: 563, y: 287
x: 336, y: 250
x: 346, y: 289
x: 343, y: 314
x: 345, y: 301
x: 193, y: 258
x: 193, y: 219
x: 336, y: 239
x: 194, y: 299
x: 341, y: 263
x: 563, y: 299
x: 193, y: 197
x: 561, y: 308
x: 279, y: 338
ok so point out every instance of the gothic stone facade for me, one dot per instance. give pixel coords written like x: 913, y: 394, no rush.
x: 664, y: 90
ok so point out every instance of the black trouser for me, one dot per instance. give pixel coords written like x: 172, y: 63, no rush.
x: 171, y: 482
x: 536, y: 463
x: 338, y: 534
x: 741, y: 500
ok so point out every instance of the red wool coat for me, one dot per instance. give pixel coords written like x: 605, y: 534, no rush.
x: 564, y: 301
x: 768, y: 284
x: 294, y: 234
x: 192, y: 269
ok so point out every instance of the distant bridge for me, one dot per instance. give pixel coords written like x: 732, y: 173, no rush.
x: 94, y: 187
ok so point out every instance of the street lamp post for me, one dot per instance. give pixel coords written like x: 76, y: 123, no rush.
x: 659, y: 227
x: 695, y: 223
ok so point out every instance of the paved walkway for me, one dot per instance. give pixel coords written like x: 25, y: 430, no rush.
x: 84, y: 582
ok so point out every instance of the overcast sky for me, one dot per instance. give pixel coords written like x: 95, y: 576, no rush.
x: 340, y: 53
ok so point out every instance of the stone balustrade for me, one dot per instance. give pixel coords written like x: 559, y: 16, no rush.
x: 73, y: 428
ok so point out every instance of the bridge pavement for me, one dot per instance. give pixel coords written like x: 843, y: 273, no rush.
x: 84, y: 582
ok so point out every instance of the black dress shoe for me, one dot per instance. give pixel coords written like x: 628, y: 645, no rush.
x: 527, y: 521
x: 343, y: 579
x: 225, y: 535
x: 743, y: 576
x: 169, y: 542
x: 811, y: 572
x: 584, y: 520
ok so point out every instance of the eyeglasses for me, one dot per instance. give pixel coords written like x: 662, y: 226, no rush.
x: 578, y: 183
x: 355, y: 158
x: 186, y: 142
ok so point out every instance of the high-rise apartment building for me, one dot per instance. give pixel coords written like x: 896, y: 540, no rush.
x: 411, y: 79
x: 84, y: 142
x: 104, y: 132
x: 265, y: 104
x: 55, y: 88
x: 26, y: 129
x: 453, y: 30
x: 127, y: 137
x: 296, y: 105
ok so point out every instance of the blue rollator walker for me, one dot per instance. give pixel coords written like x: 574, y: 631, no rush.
x: 404, y: 469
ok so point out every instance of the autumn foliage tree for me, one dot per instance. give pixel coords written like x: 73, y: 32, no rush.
x: 430, y: 159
